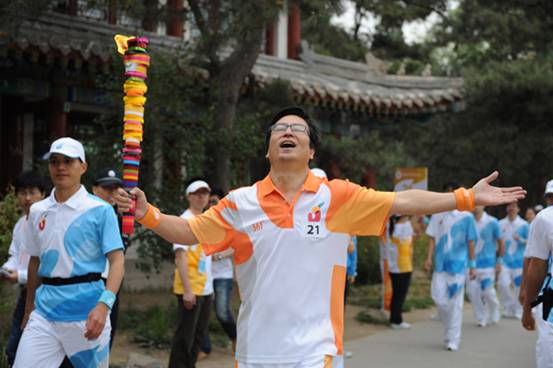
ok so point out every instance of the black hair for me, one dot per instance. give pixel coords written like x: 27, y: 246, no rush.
x: 30, y: 179
x: 393, y: 221
x: 450, y: 184
x: 314, y: 136
x: 218, y: 192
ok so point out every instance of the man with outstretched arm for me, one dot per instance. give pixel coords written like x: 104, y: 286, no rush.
x: 292, y: 311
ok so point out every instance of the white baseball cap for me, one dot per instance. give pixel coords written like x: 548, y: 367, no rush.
x: 197, y: 185
x: 318, y: 172
x: 68, y: 147
x: 549, y: 187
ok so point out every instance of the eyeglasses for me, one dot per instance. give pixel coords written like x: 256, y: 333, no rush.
x: 295, y: 127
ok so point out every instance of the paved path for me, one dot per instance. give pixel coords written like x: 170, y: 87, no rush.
x: 505, y: 345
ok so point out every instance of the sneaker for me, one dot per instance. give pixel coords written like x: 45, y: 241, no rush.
x: 435, y: 317
x: 400, y: 326
x: 452, y: 347
x: 348, y: 354
x: 481, y: 324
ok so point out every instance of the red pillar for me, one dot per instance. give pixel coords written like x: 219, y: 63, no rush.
x: 294, y: 32
x: 175, y: 24
x: 270, y: 39
x: 57, y: 119
x: 112, y: 11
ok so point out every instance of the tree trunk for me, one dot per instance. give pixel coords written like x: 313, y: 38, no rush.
x: 225, y: 84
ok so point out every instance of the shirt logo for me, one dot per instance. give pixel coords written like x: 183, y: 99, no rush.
x: 42, y: 223
x: 257, y: 226
x: 315, y: 214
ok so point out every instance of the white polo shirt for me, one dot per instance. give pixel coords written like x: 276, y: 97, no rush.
x: 514, y: 249
x: 540, y: 241
x: 291, y: 262
x: 19, y: 258
x: 71, y: 239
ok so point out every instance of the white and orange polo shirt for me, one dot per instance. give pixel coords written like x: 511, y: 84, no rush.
x: 291, y: 262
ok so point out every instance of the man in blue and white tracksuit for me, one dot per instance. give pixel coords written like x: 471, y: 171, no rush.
x: 69, y: 236
x: 481, y: 290
x: 514, y: 232
x: 452, y: 237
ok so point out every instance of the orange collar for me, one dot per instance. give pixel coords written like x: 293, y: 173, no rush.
x: 311, y: 184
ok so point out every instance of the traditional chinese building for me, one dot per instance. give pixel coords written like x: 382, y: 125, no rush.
x: 50, y: 67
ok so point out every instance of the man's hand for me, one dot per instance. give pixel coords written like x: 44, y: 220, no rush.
x: 487, y: 195
x: 498, y: 267
x: 528, y: 321
x: 96, y: 321
x: 11, y: 276
x: 351, y: 279
x: 472, y: 274
x: 126, y: 201
x: 428, y: 265
x: 189, y: 300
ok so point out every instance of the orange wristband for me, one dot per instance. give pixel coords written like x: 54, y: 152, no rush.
x: 464, y: 199
x: 151, y: 219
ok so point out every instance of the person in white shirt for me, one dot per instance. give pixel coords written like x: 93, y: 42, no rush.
x: 29, y: 188
x: 537, y: 251
x: 489, y: 248
x: 69, y: 235
x: 514, y: 233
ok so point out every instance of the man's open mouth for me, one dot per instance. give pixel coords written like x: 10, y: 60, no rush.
x: 287, y: 144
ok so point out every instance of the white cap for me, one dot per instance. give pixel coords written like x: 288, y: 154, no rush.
x: 197, y: 185
x: 549, y: 187
x: 319, y: 172
x: 68, y: 147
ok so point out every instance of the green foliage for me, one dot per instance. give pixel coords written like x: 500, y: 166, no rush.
x: 9, y: 214
x: 354, y: 156
x: 151, y: 328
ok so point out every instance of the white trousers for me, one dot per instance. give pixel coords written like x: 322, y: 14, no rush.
x: 544, y: 344
x: 482, y: 296
x: 447, y: 292
x: 326, y: 361
x: 44, y: 344
x: 508, y: 286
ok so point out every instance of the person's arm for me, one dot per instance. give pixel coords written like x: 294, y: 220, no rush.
x: 174, y: 229
x: 420, y: 202
x: 522, y: 291
x: 472, y: 261
x: 537, y: 270
x: 96, y: 320
x: 33, y: 282
x: 224, y: 254
x: 429, y: 254
x: 188, y: 297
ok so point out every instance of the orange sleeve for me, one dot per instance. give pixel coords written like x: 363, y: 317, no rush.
x: 216, y: 231
x: 211, y: 229
x: 357, y: 210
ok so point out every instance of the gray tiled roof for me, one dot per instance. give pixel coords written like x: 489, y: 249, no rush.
x: 315, y: 79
